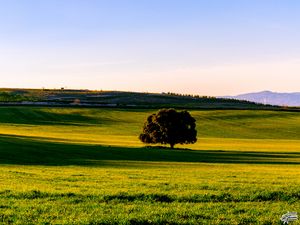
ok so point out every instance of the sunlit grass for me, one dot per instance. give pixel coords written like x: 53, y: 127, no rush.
x: 87, y: 166
x: 182, y: 193
x: 232, y: 130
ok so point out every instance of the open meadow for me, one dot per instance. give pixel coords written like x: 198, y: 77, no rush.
x: 87, y: 166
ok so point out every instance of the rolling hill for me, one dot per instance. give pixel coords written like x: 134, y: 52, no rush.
x: 64, y: 165
x: 87, y: 98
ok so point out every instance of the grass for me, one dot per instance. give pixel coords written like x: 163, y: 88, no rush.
x: 86, y: 166
x: 217, y: 129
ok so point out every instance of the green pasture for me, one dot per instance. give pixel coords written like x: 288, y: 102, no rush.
x: 217, y: 129
x: 87, y: 166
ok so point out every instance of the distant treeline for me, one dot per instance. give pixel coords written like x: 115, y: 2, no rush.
x: 188, y: 95
x: 211, y: 98
x: 14, y: 97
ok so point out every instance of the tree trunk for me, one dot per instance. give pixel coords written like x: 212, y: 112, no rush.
x: 172, y: 145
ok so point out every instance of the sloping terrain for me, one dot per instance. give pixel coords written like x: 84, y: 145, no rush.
x: 119, y: 99
x: 217, y: 129
x: 87, y: 166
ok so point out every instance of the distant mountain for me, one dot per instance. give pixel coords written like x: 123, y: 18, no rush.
x: 271, y: 98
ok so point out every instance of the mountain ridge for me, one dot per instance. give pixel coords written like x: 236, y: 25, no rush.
x: 291, y: 99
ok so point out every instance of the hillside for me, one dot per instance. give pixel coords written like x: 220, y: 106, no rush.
x: 67, y: 165
x: 272, y: 98
x: 217, y: 129
x: 89, y: 98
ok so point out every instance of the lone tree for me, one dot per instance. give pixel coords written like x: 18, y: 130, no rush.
x: 168, y: 126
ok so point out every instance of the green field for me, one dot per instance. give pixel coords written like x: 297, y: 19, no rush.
x: 87, y: 166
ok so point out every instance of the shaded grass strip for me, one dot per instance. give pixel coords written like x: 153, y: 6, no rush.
x: 155, y: 197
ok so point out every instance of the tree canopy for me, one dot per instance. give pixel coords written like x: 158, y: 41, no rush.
x: 169, y: 126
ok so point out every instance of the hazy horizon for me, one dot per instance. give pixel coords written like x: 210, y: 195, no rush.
x: 150, y: 92
x: 211, y: 48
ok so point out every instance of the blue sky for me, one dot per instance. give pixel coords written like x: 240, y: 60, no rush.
x: 214, y: 47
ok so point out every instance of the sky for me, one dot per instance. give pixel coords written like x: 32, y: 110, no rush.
x: 206, y: 47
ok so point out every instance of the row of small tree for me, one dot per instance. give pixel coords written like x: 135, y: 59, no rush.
x: 169, y: 126
x: 188, y: 95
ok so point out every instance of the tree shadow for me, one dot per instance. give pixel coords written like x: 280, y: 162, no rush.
x: 20, y: 150
x: 39, y: 116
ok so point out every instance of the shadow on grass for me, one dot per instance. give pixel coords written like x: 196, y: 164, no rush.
x: 39, y: 116
x: 20, y: 150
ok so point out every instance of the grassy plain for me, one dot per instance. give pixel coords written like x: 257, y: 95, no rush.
x: 86, y: 166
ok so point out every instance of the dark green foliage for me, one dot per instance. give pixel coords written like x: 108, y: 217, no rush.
x: 13, y: 97
x: 168, y: 126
